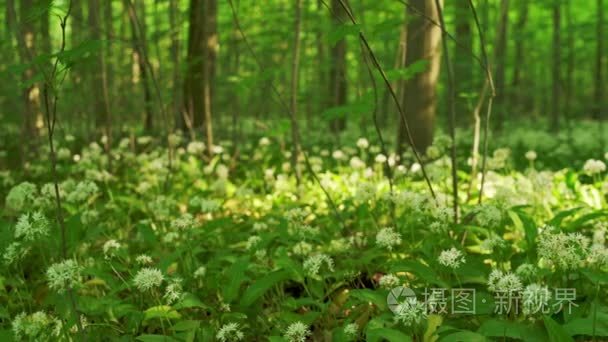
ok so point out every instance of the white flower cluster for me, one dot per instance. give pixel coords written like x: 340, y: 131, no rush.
x: 313, y: 264
x: 499, y: 281
x: 252, y: 242
x: 83, y: 191
x: 143, y: 259
x: 388, y: 238
x: 63, y: 275
x: 410, y: 312
x: 451, y: 258
x: 38, y: 326
x: 148, y: 278
x: 389, y: 281
x: 351, y: 330
x: 184, y: 222
x: 31, y: 227
x: 297, y: 332
x: 488, y: 216
x: 229, y: 332
x: 593, y: 166
x: 174, y: 291
x: 21, y: 196
x: 110, y: 247
x: 362, y: 143
x: 564, y: 251
x: 531, y: 155
x: 196, y: 147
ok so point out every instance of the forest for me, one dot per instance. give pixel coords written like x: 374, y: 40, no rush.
x: 303, y: 170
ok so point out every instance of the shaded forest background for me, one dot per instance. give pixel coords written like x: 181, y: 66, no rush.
x: 165, y: 65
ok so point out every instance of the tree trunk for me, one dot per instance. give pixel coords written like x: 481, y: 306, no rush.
x: 295, y: 70
x: 463, y: 60
x: 518, y: 96
x: 337, y: 71
x: 419, y: 100
x: 198, y: 84
x: 599, y: 69
x: 500, y: 54
x: 555, y: 69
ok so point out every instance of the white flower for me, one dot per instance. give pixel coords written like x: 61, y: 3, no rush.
x: 222, y: 171
x: 297, y: 332
x: 174, y: 291
x: 63, y: 275
x: 389, y: 281
x: 200, y: 272
x: 313, y: 264
x: 264, y: 141
x: 216, y: 149
x: 184, y: 222
x: 593, y: 166
x: 83, y: 191
x: 526, y: 271
x: 362, y: 143
x: 148, y: 278
x: 109, y: 247
x: 357, y: 163
x: 451, y: 258
x: 302, y: 248
x: 531, y: 155
x: 338, y: 155
x: 196, y: 147
x: 351, y: 330
x: 380, y: 159
x: 143, y: 259
x: 38, y: 326
x: 488, y: 216
x: 410, y: 312
x: 388, y: 238
x: 252, y: 242
x: 20, y: 196
x: 504, y: 282
x: 229, y: 332
x: 534, y: 298
x: 415, y: 168
x: 32, y: 227
x: 564, y: 251
x: 14, y: 252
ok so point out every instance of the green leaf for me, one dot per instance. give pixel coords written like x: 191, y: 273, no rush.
x: 420, y: 270
x: 262, y: 285
x: 555, y: 331
x: 236, y: 277
x: 463, y: 336
x: 342, y: 32
x: 408, y: 72
x: 579, y: 222
x: 162, y: 312
x: 378, y: 298
x: 391, y: 335
x: 190, y: 300
x: 584, y: 326
x: 556, y: 221
x: 155, y: 338
x: 515, y: 330
x: 186, y: 325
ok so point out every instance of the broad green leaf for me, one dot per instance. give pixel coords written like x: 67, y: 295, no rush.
x: 236, y: 277
x: 463, y: 336
x: 162, y: 312
x: 155, y: 338
x: 392, y: 335
x: 260, y: 286
x: 555, y: 331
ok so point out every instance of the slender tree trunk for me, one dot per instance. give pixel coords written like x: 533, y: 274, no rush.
x: 295, y: 70
x: 598, y: 97
x: 555, y: 69
x: 138, y: 36
x: 463, y: 60
x: 500, y: 54
x: 518, y: 96
x: 420, y: 97
x: 337, y: 72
